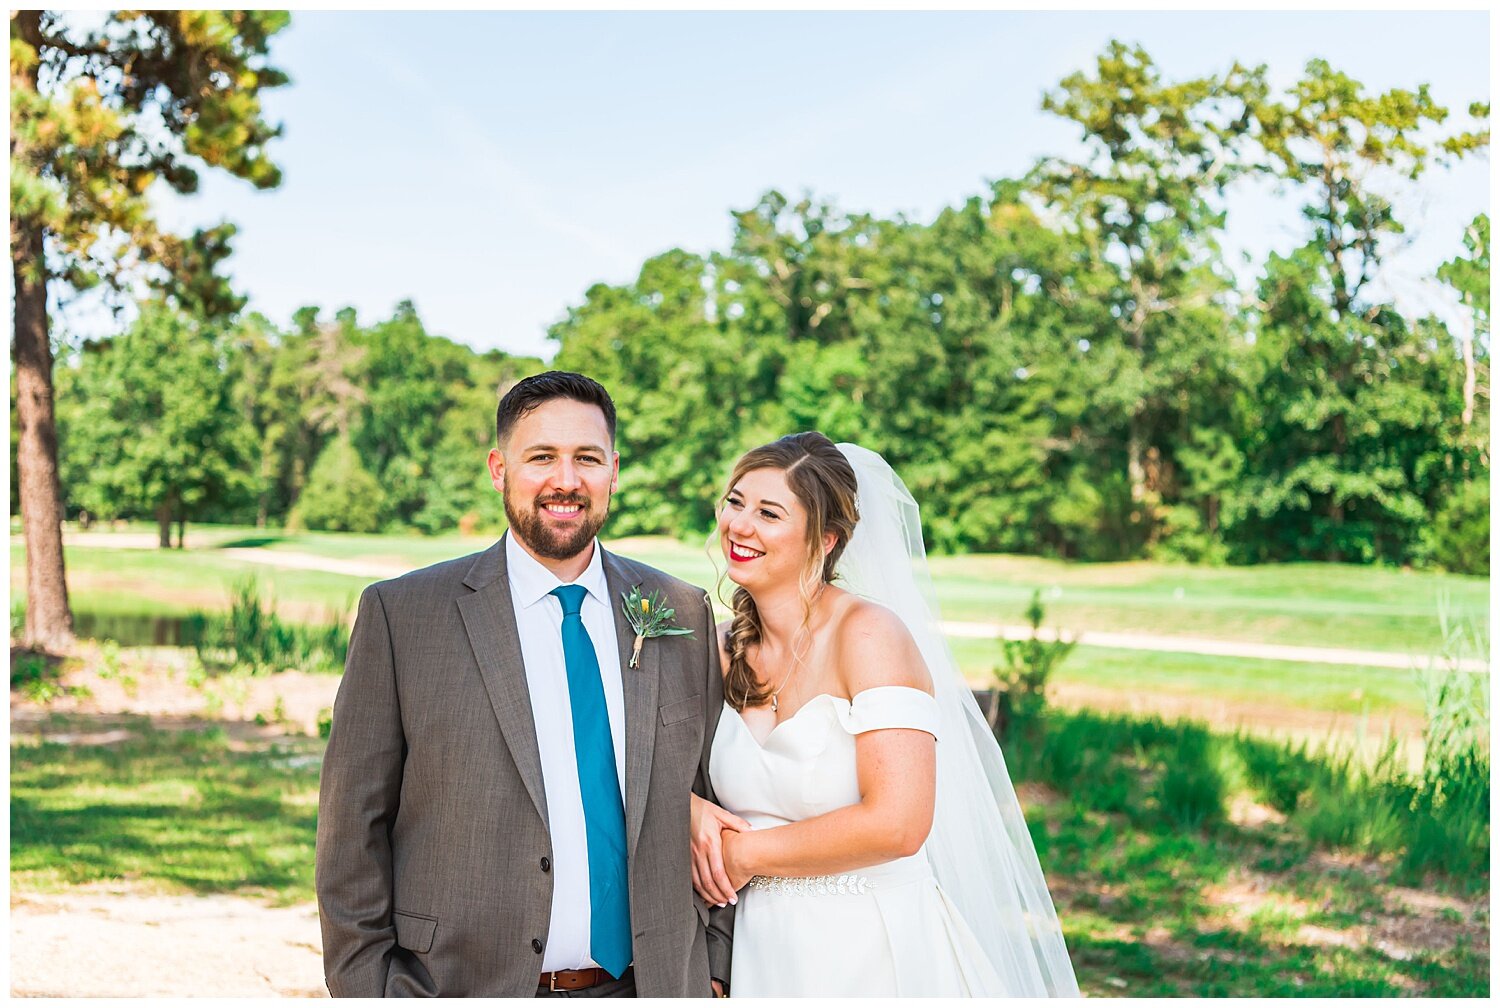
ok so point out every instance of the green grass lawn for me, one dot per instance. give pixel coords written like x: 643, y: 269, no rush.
x: 1150, y: 906
x: 1310, y: 604
x: 1165, y: 912
x: 1344, y: 689
x: 1328, y: 605
x: 173, y: 582
x: 175, y: 811
x: 1319, y: 605
x: 1323, y: 605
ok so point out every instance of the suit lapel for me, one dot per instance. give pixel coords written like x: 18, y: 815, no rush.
x: 641, y: 690
x: 490, y: 621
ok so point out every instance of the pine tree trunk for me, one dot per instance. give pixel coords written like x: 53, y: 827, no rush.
x: 49, y: 621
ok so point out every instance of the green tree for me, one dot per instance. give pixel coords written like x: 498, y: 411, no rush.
x: 1331, y: 140
x: 97, y: 116
x: 1462, y: 523
x: 268, y: 413
x: 1346, y: 440
x: 685, y: 388
x: 151, y: 426
x: 458, y: 494
x: 341, y: 494
x: 1470, y: 276
x: 973, y: 374
x: 1147, y: 201
x: 411, y: 379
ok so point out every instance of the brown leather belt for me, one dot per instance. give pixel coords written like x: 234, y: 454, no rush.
x: 579, y: 979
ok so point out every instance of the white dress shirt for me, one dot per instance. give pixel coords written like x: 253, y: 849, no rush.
x: 539, y: 624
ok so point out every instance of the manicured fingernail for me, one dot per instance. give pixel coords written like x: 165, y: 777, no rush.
x: 721, y: 904
x: 735, y: 900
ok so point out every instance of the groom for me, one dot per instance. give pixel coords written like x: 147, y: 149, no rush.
x: 504, y: 801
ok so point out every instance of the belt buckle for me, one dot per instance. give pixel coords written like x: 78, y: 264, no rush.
x: 552, y: 982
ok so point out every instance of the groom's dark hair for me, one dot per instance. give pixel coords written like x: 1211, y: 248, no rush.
x: 529, y: 393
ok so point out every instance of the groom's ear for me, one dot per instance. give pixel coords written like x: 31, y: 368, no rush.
x: 497, y: 469
x: 614, y: 476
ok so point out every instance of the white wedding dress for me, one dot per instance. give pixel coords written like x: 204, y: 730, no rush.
x: 883, y: 930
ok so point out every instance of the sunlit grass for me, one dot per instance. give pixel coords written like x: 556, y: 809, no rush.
x: 1320, y: 605
x: 1343, y: 689
x: 174, y: 811
x: 1150, y: 906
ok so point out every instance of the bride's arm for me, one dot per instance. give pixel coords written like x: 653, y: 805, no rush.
x: 708, y: 822
x: 897, y: 770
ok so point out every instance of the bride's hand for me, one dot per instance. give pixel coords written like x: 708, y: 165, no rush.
x: 709, y: 822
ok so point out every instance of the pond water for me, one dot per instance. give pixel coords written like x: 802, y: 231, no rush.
x: 139, y: 629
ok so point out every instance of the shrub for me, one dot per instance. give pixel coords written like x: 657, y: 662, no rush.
x: 27, y: 667
x: 1021, y: 682
x: 340, y: 495
x: 38, y: 677
x: 1461, y: 530
x: 1182, y: 538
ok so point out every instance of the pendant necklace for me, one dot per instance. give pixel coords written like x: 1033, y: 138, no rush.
x: 777, y: 691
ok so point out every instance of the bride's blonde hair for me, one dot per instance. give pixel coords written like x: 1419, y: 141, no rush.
x: 823, y: 482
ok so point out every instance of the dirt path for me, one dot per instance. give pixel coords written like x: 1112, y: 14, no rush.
x: 111, y: 942
x: 1209, y: 646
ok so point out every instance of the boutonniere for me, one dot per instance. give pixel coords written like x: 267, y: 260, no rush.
x: 649, y: 617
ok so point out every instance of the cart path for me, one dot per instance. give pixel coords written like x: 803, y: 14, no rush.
x: 985, y: 631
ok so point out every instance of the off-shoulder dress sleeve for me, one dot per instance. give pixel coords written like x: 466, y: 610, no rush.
x: 891, y: 707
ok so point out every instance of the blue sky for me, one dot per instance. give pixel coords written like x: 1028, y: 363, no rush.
x: 492, y: 166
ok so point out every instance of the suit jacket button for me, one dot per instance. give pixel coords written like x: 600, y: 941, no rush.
x: 536, y: 945
x: 546, y: 864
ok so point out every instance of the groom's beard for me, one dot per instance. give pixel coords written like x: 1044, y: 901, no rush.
x: 554, y: 544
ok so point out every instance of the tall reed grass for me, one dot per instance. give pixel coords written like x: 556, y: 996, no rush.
x: 252, y: 637
x: 1433, y: 819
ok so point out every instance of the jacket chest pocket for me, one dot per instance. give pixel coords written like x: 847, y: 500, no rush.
x: 681, y: 710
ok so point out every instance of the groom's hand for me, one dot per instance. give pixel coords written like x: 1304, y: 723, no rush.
x: 709, y: 822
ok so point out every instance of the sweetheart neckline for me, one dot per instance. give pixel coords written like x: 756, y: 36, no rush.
x: 761, y: 743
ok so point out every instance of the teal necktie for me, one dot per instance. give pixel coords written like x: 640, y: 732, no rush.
x: 603, y: 809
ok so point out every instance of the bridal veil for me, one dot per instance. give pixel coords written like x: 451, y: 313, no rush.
x: 980, y: 847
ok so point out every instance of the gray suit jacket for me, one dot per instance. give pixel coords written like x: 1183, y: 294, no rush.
x: 433, y: 857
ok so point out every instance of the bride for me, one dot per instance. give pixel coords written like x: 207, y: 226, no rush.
x: 869, y: 834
